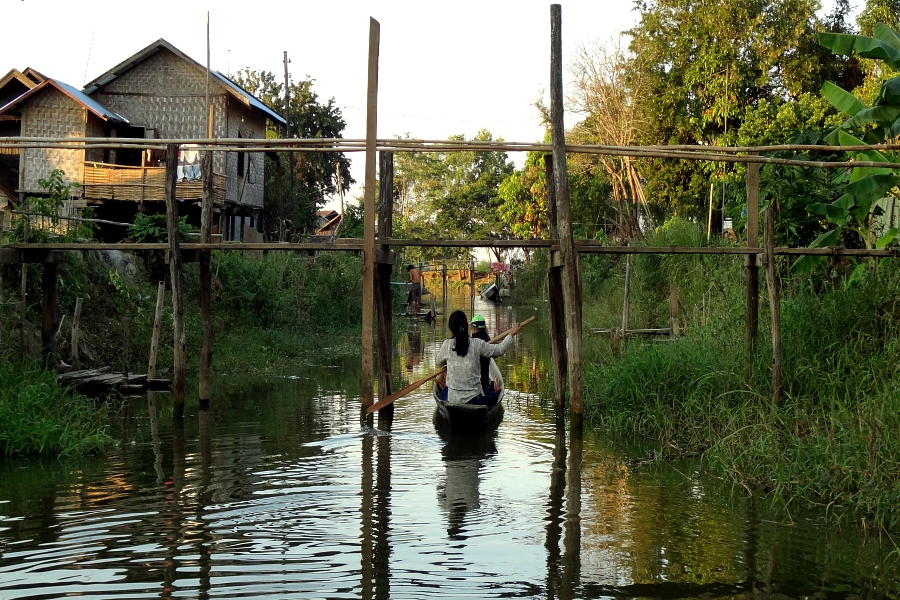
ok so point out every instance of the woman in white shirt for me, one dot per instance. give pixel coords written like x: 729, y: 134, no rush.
x: 462, y: 356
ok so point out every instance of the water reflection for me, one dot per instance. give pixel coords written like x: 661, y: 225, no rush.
x: 463, y: 456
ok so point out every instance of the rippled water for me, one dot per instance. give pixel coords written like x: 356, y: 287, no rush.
x: 278, y: 491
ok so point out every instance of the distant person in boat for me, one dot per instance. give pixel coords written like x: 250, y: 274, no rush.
x: 415, y: 294
x: 479, y: 331
x: 462, y: 356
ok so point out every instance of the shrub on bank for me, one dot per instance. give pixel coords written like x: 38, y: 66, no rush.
x: 37, y: 416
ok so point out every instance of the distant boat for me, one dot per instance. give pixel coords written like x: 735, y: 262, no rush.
x: 491, y: 293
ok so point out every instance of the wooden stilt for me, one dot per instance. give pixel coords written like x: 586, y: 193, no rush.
x: 49, y: 322
x: 571, y: 274
x: 626, y: 302
x: 206, y: 216
x: 556, y: 299
x: 774, y: 305
x: 175, y: 271
x: 2, y: 299
x: 23, y: 305
x: 157, y: 322
x: 368, y: 307
x: 383, y: 295
x: 752, y: 266
x: 76, y: 333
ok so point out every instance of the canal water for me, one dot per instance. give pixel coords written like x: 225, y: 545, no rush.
x: 279, y: 491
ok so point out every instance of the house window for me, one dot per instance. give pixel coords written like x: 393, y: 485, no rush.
x: 240, y: 160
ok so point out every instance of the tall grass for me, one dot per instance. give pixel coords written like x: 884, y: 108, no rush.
x: 37, y: 416
x: 834, y: 439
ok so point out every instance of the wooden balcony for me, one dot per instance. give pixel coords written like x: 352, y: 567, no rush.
x: 104, y: 181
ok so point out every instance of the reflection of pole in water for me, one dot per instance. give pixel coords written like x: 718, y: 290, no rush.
x: 173, y: 520
x: 555, y: 509
x: 572, y: 539
x: 383, y: 516
x: 415, y: 349
x: 458, y: 493
x: 365, y: 510
x: 204, y: 498
x: 152, y: 404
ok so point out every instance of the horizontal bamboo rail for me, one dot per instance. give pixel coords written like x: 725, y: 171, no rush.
x: 683, y: 152
x: 356, y: 244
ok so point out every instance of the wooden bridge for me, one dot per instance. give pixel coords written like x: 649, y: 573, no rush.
x: 564, y: 278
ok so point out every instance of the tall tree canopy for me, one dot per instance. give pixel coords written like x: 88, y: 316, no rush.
x: 315, y: 173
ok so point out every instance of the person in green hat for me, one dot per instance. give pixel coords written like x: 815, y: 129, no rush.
x: 479, y: 330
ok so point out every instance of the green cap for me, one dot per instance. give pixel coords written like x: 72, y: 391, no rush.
x: 478, y: 321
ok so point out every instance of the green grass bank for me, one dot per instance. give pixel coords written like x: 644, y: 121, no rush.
x: 834, y: 439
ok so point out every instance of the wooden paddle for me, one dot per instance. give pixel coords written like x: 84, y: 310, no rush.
x: 397, y: 395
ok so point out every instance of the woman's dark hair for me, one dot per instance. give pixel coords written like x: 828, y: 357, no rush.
x: 459, y: 327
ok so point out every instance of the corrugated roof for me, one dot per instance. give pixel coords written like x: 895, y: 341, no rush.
x: 235, y: 90
x: 75, y: 94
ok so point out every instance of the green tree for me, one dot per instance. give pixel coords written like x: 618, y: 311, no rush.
x: 315, y: 173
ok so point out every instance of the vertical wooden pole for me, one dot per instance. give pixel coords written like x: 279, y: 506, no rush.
x: 126, y: 333
x: 368, y: 307
x: 626, y: 303
x: 709, y: 220
x: 674, y: 323
x: 157, y: 321
x: 49, y: 322
x: 752, y: 242
x: 571, y: 275
x: 774, y: 305
x: 444, y: 289
x: 206, y: 324
x: 177, y: 276
x: 555, y: 297
x: 383, y: 297
x: 2, y: 300
x: 76, y: 333
x: 23, y: 305
x: 472, y: 289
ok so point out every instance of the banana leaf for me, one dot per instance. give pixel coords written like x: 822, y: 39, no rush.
x: 841, y: 99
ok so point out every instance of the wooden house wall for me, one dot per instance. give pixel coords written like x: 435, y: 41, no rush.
x: 248, y: 189
x: 51, y: 114
x: 168, y: 94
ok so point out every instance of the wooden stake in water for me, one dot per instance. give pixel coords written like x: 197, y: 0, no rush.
x: 157, y: 322
x: 177, y: 276
x: 367, y: 395
x: 76, y: 333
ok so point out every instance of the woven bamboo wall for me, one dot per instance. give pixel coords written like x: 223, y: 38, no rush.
x: 111, y: 182
x: 167, y: 94
x: 246, y: 190
x: 51, y: 114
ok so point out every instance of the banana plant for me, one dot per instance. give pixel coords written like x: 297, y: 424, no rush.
x: 859, y: 191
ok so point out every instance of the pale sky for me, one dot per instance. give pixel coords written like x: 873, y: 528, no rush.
x: 444, y: 69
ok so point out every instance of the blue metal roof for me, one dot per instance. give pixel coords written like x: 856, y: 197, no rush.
x: 251, y: 99
x: 75, y: 94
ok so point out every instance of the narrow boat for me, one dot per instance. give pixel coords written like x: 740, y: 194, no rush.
x: 471, y: 417
x: 491, y: 293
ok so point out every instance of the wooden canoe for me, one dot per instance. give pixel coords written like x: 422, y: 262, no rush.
x: 471, y: 417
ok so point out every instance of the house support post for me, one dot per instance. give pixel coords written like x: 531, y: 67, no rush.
x: 556, y: 297
x: 751, y: 262
x: 23, y: 305
x: 571, y: 271
x: 206, y: 216
x: 774, y: 305
x: 368, y: 304
x: 157, y: 323
x: 383, y: 299
x: 48, y: 315
x: 177, y: 276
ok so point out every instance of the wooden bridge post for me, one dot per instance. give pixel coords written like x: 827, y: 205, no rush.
x: 206, y: 217
x: 367, y: 395
x: 49, y: 322
x: 177, y: 275
x: 750, y: 262
x: 472, y: 289
x: 383, y: 297
x: 571, y: 274
x: 444, y: 290
x: 555, y: 296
